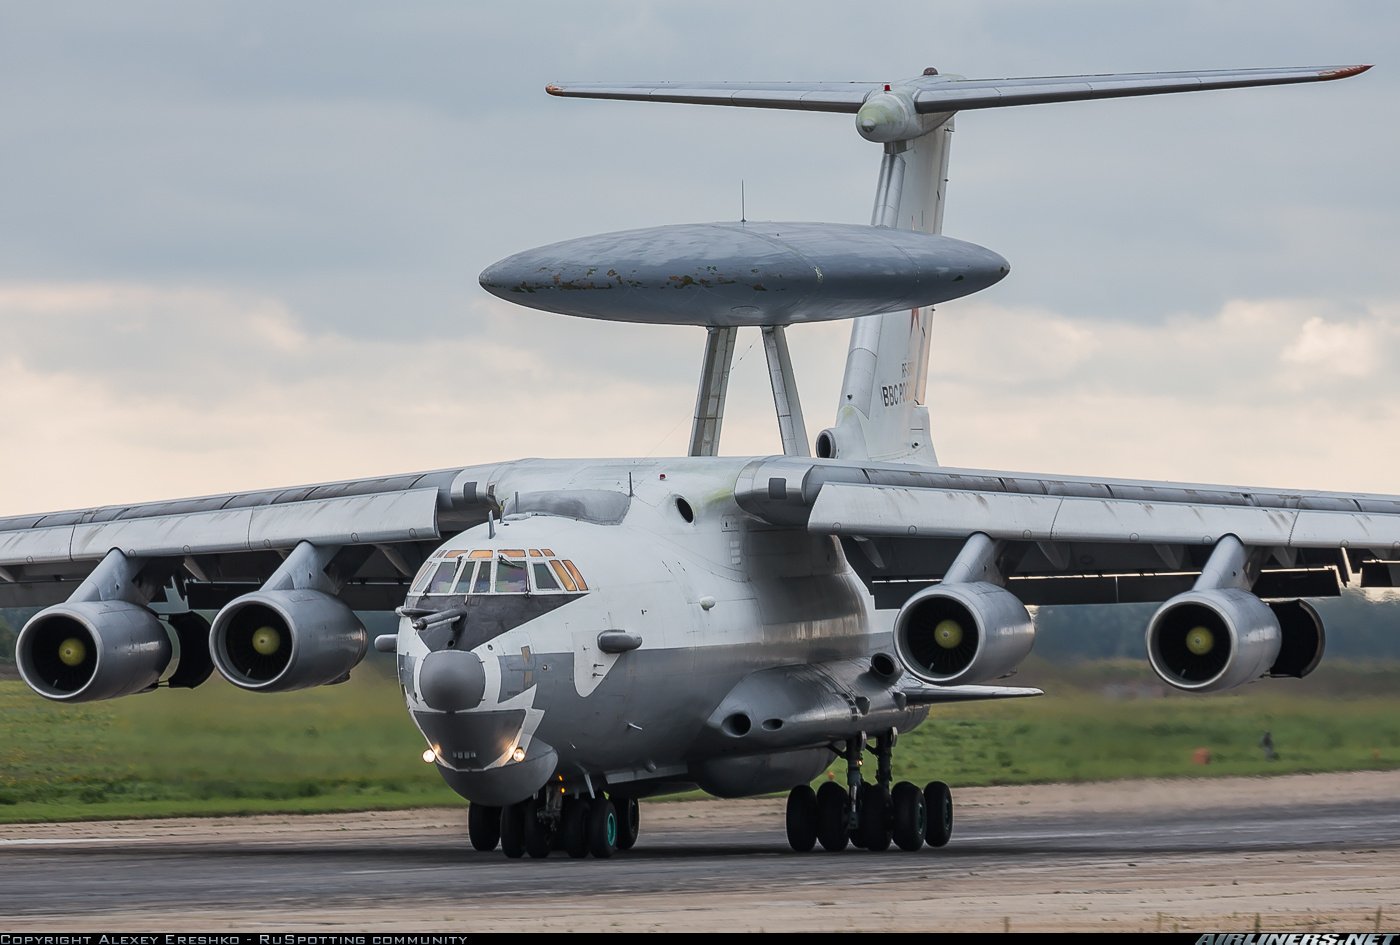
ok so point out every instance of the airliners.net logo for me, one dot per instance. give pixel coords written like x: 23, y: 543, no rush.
x: 1298, y: 938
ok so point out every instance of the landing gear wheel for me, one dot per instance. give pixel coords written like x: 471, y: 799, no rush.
x: 833, y: 817
x: 537, y: 834
x: 802, y: 818
x: 513, y: 830
x: 629, y: 821
x: 855, y: 833
x: 939, y: 801
x: 483, y: 827
x: 573, y: 829
x: 875, y: 818
x: 602, y: 828
x: 909, y: 814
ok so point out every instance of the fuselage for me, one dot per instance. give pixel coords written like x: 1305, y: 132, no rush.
x: 611, y: 619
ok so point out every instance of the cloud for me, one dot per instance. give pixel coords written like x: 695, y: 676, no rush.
x: 234, y: 255
x: 126, y: 392
x: 1267, y: 392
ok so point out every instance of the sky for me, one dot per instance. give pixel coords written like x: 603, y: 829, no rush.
x: 239, y: 242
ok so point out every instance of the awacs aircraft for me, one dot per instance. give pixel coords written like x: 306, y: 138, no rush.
x: 577, y: 634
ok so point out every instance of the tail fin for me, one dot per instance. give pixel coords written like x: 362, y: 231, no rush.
x: 882, y: 413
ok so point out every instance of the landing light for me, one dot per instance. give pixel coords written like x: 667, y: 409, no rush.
x: 429, y: 755
x: 518, y: 754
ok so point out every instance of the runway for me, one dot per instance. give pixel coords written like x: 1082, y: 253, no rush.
x: 1300, y: 852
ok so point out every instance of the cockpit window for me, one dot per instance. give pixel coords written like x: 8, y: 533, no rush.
x: 564, y: 576
x: 578, y: 578
x: 511, y: 577
x: 464, y: 580
x: 498, y: 571
x: 421, y: 581
x: 441, y: 582
x: 544, y: 578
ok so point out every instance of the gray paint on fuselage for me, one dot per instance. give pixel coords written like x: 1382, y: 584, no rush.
x: 714, y: 600
x: 487, y: 616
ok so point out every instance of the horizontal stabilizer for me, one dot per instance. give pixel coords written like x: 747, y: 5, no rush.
x: 920, y: 693
x: 947, y: 93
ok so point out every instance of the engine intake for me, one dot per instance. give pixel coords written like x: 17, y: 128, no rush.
x: 962, y: 633
x: 91, y: 650
x: 1205, y: 641
x: 278, y: 641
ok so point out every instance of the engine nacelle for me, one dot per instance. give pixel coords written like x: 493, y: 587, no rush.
x: 277, y: 641
x: 1205, y: 641
x: 1303, y: 638
x: 950, y: 634
x: 91, y: 650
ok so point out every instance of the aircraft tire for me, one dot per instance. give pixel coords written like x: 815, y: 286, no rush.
x: 602, y: 828
x: 629, y: 821
x: 875, y: 818
x: 802, y: 818
x: 483, y: 827
x: 909, y: 814
x: 833, y: 809
x: 573, y: 829
x: 513, y: 830
x: 939, y: 803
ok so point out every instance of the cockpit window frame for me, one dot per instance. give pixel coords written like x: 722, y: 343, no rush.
x: 439, y: 566
x: 478, y: 572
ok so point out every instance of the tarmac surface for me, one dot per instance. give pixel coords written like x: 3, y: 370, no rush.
x: 1309, y: 852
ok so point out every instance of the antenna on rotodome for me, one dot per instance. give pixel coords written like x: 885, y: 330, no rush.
x: 743, y: 214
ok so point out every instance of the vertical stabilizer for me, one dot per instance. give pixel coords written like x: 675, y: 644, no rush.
x: 882, y: 414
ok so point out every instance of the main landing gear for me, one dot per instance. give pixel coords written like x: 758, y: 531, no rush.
x: 872, y: 816
x: 579, y: 826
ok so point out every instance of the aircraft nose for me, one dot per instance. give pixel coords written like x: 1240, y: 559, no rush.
x: 452, y: 680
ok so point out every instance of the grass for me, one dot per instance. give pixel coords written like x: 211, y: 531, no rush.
x: 213, y: 750
x: 218, y: 750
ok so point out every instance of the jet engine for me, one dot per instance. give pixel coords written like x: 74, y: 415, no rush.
x: 90, y: 650
x: 1205, y: 641
x: 277, y: 641
x: 950, y: 634
x: 1303, y: 640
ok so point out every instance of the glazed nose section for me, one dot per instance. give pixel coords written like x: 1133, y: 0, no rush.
x: 452, y: 680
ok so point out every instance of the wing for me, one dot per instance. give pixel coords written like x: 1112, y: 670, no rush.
x: 218, y: 547
x: 944, y: 93
x: 1076, y: 540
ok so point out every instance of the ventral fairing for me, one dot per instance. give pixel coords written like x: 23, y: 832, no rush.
x: 576, y: 635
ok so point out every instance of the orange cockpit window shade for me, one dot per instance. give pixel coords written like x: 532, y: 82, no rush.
x: 481, y: 553
x: 536, y: 553
x: 582, y: 584
x: 455, y: 554
x: 547, y: 552
x: 513, y: 552
x: 564, y: 577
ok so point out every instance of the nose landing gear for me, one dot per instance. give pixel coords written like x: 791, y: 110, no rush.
x: 579, y: 826
x: 869, y: 815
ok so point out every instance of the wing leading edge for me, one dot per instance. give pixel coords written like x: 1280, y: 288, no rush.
x: 1073, y: 540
